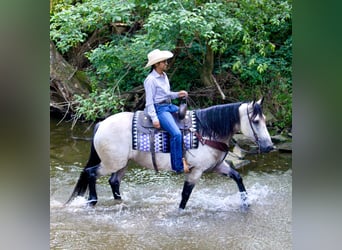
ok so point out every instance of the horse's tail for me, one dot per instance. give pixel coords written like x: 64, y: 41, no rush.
x: 83, y: 180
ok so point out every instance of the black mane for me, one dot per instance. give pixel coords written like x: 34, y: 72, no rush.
x: 218, y: 121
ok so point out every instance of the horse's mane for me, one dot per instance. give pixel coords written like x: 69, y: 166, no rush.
x: 218, y: 121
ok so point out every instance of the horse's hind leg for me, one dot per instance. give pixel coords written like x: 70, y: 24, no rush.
x: 92, y: 176
x: 88, y: 174
x: 114, y: 182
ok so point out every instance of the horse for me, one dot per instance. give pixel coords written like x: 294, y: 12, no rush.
x: 111, y: 149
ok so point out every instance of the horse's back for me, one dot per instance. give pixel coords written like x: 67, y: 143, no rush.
x: 116, y: 122
x: 113, y: 141
x: 115, y: 127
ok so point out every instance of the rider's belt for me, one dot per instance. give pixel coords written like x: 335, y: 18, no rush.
x: 167, y: 101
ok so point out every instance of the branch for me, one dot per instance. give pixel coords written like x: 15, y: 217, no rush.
x: 122, y: 77
x: 72, y: 74
x: 218, y: 87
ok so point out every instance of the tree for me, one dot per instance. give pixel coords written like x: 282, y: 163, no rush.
x: 198, y: 27
x: 65, y: 82
x: 249, y: 40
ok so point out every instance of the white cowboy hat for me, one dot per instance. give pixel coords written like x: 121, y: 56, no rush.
x: 157, y: 55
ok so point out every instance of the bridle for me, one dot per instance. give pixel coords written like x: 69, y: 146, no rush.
x: 254, y: 134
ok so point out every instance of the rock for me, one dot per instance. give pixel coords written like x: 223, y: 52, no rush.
x: 278, y: 138
x: 240, y: 153
x: 243, y: 140
x: 285, y: 147
x: 270, y: 117
x: 233, y: 160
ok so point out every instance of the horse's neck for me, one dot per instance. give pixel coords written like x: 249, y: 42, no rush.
x: 230, y: 136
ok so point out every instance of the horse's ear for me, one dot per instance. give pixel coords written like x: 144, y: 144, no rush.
x: 261, y: 100
x: 253, y: 103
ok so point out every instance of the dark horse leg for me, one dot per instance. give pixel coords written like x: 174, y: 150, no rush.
x: 88, y: 176
x: 227, y: 170
x: 189, y: 184
x: 114, y: 182
x: 238, y: 179
x: 187, y: 189
x: 92, y: 176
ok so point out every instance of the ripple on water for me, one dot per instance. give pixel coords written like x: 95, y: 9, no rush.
x: 149, y: 218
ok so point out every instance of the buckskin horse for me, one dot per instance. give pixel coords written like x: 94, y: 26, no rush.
x: 114, y: 144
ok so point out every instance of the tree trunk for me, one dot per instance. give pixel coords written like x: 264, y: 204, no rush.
x: 206, y: 71
x: 207, y: 68
x: 65, y: 82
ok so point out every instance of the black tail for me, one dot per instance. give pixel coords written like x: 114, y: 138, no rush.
x: 83, y: 181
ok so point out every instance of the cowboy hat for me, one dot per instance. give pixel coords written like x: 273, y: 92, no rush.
x: 157, y: 55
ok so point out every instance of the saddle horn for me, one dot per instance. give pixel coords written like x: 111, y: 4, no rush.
x: 183, y: 107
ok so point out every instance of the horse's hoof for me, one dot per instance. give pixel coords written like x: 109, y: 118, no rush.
x: 244, y: 200
x: 118, y: 201
x: 91, y: 203
x: 244, y: 207
x: 181, y: 211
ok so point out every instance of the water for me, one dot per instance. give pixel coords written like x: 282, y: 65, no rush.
x: 148, y: 217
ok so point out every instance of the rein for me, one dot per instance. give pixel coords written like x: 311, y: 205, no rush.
x: 223, y: 146
x: 214, y: 144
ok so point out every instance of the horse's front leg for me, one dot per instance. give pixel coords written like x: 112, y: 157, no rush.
x: 114, y: 182
x: 187, y: 189
x: 227, y: 170
x: 189, y: 184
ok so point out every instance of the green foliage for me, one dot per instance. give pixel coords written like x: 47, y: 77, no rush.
x: 120, y: 64
x: 98, y: 104
x: 262, y: 58
x: 189, y: 22
x: 266, y: 31
x: 73, y: 23
x: 250, y: 38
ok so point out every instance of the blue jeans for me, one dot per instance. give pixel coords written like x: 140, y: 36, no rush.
x: 168, y: 123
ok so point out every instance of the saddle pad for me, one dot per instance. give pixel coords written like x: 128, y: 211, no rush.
x: 186, y: 123
x: 142, y: 137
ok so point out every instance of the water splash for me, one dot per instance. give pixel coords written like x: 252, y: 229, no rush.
x: 258, y: 193
x: 79, y: 201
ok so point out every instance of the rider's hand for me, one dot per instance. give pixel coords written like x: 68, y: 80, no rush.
x: 182, y: 93
x: 156, y: 124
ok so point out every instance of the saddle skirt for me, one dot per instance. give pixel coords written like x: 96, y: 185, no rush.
x: 147, y: 138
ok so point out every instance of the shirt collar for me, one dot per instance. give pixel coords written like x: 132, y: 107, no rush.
x: 156, y: 74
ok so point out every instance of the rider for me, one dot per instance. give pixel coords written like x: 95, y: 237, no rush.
x: 159, y: 106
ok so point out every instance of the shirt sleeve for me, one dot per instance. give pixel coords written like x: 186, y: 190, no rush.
x: 171, y: 94
x: 149, y: 93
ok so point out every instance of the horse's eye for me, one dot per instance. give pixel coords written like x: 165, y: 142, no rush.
x: 256, y: 122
